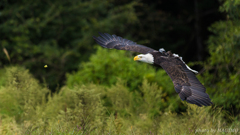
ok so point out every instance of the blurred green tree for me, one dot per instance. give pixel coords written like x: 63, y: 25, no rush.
x: 222, y: 72
x: 57, y: 33
x: 25, y: 109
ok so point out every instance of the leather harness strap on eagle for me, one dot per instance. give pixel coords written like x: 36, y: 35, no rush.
x: 185, y: 82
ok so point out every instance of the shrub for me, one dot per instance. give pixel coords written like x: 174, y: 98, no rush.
x: 27, y: 108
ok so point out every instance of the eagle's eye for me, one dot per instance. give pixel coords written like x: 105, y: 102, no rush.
x: 140, y: 56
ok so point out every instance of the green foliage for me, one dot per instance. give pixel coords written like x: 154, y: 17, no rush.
x: 57, y: 33
x: 80, y: 110
x: 110, y: 94
x: 126, y: 104
x: 232, y: 8
x: 27, y: 107
x: 222, y: 73
x: 106, y: 66
x: 21, y: 89
x: 2, y: 79
x: 194, y: 121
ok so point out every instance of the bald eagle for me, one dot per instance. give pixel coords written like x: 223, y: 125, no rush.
x: 185, y: 82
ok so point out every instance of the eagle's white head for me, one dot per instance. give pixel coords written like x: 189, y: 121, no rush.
x: 147, y: 58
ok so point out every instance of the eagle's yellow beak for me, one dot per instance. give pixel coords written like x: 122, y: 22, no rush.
x: 136, y: 58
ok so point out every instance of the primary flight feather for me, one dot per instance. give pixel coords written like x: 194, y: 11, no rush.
x: 185, y: 82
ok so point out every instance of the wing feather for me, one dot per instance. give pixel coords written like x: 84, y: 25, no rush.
x: 185, y: 82
x: 112, y: 41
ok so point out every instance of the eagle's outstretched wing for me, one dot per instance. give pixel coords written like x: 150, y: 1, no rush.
x: 116, y: 42
x: 185, y: 82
